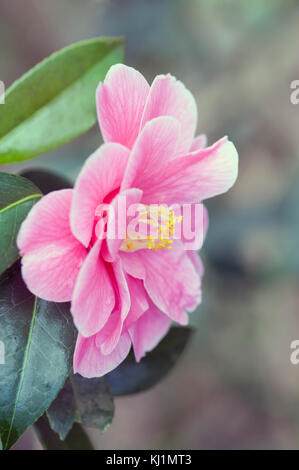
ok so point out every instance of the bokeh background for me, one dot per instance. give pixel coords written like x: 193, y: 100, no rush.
x: 235, y: 387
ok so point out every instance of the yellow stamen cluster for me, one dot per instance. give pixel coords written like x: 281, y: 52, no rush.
x: 161, y: 223
x: 165, y: 224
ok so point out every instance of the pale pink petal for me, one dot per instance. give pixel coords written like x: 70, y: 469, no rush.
x: 100, y: 176
x: 120, y: 104
x: 93, y: 298
x: 169, y: 97
x: 193, y: 227
x: 118, y: 219
x: 197, y: 262
x: 52, y: 256
x: 90, y: 362
x: 196, y: 176
x: 200, y: 142
x: 133, y: 264
x: 155, y: 146
x: 169, y: 279
x: 147, y: 332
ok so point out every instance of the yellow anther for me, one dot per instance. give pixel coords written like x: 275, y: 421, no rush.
x: 159, y: 223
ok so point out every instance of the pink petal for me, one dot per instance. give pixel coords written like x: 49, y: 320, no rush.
x: 196, y: 176
x: 132, y: 304
x: 197, y: 262
x: 133, y: 264
x: 118, y: 220
x: 169, y: 279
x: 52, y: 256
x: 93, y: 298
x: 139, y: 301
x: 200, y: 142
x: 169, y: 97
x: 90, y: 362
x: 108, y: 339
x: 101, y: 174
x: 121, y: 286
x: 155, y: 146
x: 194, y: 225
x: 120, y: 104
x: 147, y: 332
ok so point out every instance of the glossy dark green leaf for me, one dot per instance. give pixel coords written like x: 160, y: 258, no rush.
x: 55, y: 101
x: 39, y: 339
x: 132, y: 377
x: 17, y: 196
x: 85, y: 401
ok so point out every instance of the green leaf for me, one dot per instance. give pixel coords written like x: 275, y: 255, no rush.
x: 39, y: 339
x: 55, y: 101
x: 132, y: 377
x: 85, y: 401
x: 17, y: 196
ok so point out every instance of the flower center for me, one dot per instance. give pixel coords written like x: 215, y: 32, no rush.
x: 154, y: 229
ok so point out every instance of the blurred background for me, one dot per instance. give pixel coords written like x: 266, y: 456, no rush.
x: 235, y: 387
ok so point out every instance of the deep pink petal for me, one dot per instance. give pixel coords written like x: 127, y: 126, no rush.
x: 120, y: 104
x: 196, y: 176
x: 169, y: 97
x: 155, y: 146
x: 90, y: 362
x: 147, y: 332
x: 101, y: 174
x: 200, y: 142
x: 52, y: 256
x: 169, y: 279
x: 93, y: 298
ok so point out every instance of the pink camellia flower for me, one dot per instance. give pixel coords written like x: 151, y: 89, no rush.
x: 126, y: 291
